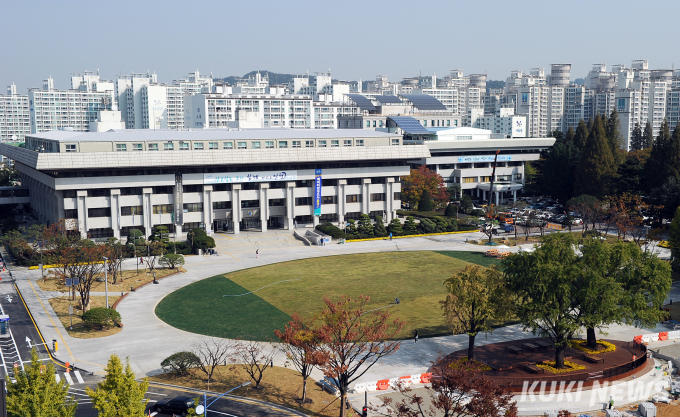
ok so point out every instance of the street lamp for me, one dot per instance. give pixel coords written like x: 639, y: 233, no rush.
x: 106, y: 281
x: 203, y: 409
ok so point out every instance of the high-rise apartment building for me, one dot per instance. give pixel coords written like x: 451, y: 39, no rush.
x: 15, y: 118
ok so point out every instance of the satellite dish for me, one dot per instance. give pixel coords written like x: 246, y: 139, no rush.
x: 199, y: 409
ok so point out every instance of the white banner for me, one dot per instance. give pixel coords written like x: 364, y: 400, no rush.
x: 484, y: 158
x: 257, y: 176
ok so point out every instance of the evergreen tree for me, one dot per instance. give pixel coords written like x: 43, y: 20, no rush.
x: 630, y: 174
x: 570, y: 135
x: 395, y: 227
x: 351, y: 229
x: 581, y: 135
x: 648, y: 136
x: 451, y: 210
x: 36, y: 392
x: 365, y: 227
x: 558, y: 171
x: 379, y: 227
x: 466, y: 205
x: 410, y: 227
x: 425, y: 203
x: 674, y: 154
x: 119, y: 394
x: 590, y: 124
x: 613, y: 129
x: 636, y: 140
x: 657, y: 169
x: 597, y: 167
x: 674, y: 239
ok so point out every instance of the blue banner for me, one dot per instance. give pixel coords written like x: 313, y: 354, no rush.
x: 317, y: 192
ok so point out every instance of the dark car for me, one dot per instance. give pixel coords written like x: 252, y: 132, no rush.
x: 177, y: 405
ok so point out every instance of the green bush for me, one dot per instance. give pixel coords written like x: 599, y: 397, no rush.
x: 379, y: 227
x: 351, y: 230
x: 171, y: 260
x: 395, y: 227
x: 478, y: 213
x: 331, y: 230
x: 101, y: 317
x: 203, y: 242
x: 410, y: 227
x: 365, y: 227
x: 180, y: 362
x: 425, y: 203
x: 427, y: 226
x: 451, y: 210
x: 181, y: 248
x: 198, y: 232
x: 466, y: 204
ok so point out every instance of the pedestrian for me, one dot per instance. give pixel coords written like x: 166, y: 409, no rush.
x: 390, y: 235
x: 141, y: 260
x: 257, y: 253
x: 416, y: 336
x: 611, y: 403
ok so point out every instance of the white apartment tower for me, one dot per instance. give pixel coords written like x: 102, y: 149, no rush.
x: 15, y: 118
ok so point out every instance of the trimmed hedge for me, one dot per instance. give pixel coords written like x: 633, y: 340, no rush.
x: 331, y: 230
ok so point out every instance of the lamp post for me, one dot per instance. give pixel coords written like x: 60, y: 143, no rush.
x: 203, y: 408
x: 106, y: 281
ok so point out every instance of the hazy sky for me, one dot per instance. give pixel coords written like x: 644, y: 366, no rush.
x: 355, y: 39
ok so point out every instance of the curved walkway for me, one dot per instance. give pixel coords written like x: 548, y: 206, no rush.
x: 147, y: 340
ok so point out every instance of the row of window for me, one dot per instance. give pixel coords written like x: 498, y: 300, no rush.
x: 268, y: 144
x: 469, y: 180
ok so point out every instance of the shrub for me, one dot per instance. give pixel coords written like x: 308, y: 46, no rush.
x: 351, y: 230
x: 466, y: 204
x: 331, y: 230
x: 101, y: 317
x: 203, y: 242
x: 451, y: 210
x: 365, y: 227
x: 395, y: 227
x: 181, y: 248
x: 379, y: 227
x: 180, y: 362
x: 198, y: 232
x: 426, y: 226
x: 410, y: 227
x: 171, y: 260
x: 425, y: 203
x: 478, y: 213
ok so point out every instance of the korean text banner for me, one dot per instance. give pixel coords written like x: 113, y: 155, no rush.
x: 255, y: 176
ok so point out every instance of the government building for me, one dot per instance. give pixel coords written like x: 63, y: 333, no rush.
x: 217, y: 179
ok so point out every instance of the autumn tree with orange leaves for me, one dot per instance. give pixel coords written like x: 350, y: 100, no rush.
x: 354, y: 340
x: 301, y: 347
x: 420, y: 180
x: 457, y: 389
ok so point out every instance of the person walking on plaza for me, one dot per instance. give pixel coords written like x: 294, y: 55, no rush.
x: 416, y: 336
x: 611, y: 403
x: 390, y: 235
x: 257, y: 253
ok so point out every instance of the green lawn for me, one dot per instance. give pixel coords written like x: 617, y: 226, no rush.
x: 299, y: 286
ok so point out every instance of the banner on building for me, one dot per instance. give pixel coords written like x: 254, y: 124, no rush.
x: 256, y: 176
x: 482, y: 158
x: 317, y: 192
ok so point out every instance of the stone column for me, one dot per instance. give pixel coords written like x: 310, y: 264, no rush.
x: 82, y: 212
x: 115, y: 213
x: 514, y: 196
x: 264, y: 205
x: 365, y: 184
x: 147, y: 209
x: 497, y: 197
x: 290, y: 204
x: 342, y: 201
x: 523, y: 173
x: 389, y: 200
x: 236, y: 207
x: 207, y: 208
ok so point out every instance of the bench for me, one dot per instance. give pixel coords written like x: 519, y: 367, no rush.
x: 544, y: 345
x: 533, y: 368
x: 530, y: 346
x: 593, y: 358
x: 595, y: 375
x: 514, y: 349
x: 674, y: 324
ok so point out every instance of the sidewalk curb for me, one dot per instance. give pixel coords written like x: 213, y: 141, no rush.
x: 235, y: 397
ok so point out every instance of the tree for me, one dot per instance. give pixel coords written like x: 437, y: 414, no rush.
x: 421, y: 179
x: 648, y: 136
x: 475, y: 296
x: 631, y: 173
x: 395, y: 227
x: 116, y: 255
x: 451, y: 210
x: 8, y: 175
x: 558, y: 171
x: 36, y: 392
x: 119, y: 394
x: 453, y: 191
x: 466, y: 205
x: 636, y: 141
x: 379, y: 229
x: 354, y: 340
x: 543, y: 282
x: 410, y: 227
x: 597, y: 167
x: 657, y: 168
x: 674, y: 239
x: 673, y: 157
x: 301, y: 347
x: 365, y: 227
x: 101, y: 317
x: 211, y: 353
x: 455, y: 391
x: 171, y: 260
x: 581, y: 135
x: 254, y: 358
x: 613, y: 132
x: 180, y: 363
x: 425, y: 203
x: 666, y: 198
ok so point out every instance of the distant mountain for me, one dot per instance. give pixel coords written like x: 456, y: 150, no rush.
x: 494, y: 84
x: 274, y: 77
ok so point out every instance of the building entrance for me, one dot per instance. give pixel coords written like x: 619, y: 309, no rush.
x: 222, y: 225
x: 250, y: 224
x: 275, y: 222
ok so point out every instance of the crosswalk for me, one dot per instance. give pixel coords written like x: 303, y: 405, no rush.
x: 69, y: 378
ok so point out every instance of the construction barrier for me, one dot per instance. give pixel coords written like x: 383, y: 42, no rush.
x: 425, y: 378
x: 663, y: 336
x: 655, y: 337
x: 674, y: 335
x: 384, y: 384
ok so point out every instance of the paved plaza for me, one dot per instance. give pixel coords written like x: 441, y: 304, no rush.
x: 146, y: 340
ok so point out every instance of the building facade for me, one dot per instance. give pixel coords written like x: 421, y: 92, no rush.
x: 15, y: 117
x: 108, y: 183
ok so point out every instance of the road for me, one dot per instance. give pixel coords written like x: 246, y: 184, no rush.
x: 226, y: 406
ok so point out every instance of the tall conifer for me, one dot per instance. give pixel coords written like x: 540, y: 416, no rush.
x: 597, y: 167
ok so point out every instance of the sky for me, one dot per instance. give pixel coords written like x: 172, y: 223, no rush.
x: 354, y: 39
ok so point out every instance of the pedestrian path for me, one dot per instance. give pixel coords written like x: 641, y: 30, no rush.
x: 69, y: 377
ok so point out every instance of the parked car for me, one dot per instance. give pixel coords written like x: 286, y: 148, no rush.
x: 177, y: 405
